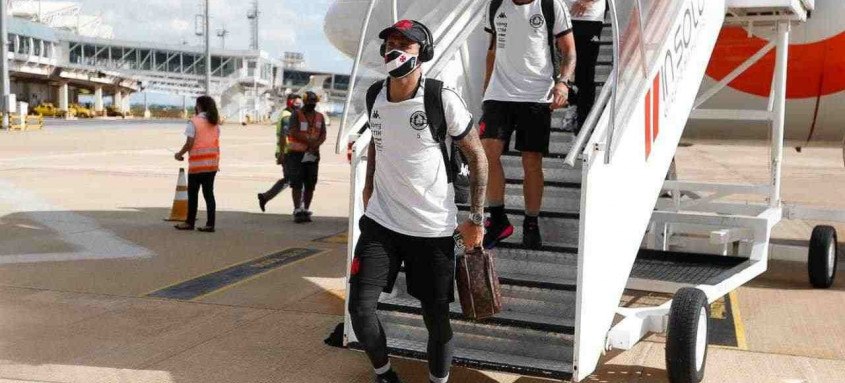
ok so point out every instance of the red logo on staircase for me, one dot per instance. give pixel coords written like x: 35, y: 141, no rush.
x: 652, y: 115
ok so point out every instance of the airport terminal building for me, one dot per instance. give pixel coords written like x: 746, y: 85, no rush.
x: 57, y: 54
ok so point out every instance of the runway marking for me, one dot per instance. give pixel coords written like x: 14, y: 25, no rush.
x: 338, y: 239
x: 220, y: 280
x: 725, y: 330
x: 741, y: 340
x: 79, y: 231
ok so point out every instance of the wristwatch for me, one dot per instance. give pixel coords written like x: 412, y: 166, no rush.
x: 477, y: 219
x: 569, y: 83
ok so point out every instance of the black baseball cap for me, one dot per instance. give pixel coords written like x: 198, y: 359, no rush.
x: 412, y: 29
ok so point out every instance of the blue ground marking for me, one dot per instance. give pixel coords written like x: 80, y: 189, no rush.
x: 209, y: 283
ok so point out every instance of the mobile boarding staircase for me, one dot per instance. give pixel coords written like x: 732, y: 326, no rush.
x: 604, y: 226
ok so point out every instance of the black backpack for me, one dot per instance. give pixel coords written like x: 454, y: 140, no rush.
x: 548, y: 7
x: 457, y: 170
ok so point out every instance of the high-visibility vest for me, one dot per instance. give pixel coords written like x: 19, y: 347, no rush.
x: 282, y: 144
x: 205, y: 154
x: 311, y: 127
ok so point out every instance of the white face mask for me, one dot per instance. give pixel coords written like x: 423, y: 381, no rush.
x: 399, y: 63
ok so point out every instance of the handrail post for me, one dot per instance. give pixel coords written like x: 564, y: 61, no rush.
x: 779, y: 103
x: 352, y: 78
x: 590, y: 123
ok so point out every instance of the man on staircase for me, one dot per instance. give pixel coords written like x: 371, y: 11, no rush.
x: 410, y: 213
x: 587, y: 24
x: 524, y: 83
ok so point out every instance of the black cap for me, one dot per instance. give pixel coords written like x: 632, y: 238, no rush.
x: 412, y: 29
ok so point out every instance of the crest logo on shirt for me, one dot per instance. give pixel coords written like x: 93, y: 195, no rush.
x: 537, y: 21
x: 375, y: 114
x: 419, y: 120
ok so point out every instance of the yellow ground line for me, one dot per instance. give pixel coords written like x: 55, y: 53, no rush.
x: 739, y: 327
x: 242, y: 281
x: 217, y: 270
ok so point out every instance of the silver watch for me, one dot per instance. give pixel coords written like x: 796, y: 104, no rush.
x: 477, y: 219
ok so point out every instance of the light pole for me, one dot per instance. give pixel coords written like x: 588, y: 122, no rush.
x: 207, y: 50
x: 4, y: 64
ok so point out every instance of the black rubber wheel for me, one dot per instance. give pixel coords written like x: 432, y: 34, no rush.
x: 686, y: 336
x: 822, y: 257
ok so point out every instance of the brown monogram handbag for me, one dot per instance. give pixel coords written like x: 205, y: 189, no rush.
x: 478, y: 285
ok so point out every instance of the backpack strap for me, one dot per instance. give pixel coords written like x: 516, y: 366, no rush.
x: 549, y: 14
x: 494, y: 8
x: 436, y: 117
x: 372, y: 94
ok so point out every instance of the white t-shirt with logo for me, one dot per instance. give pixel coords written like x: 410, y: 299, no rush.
x: 411, y: 193
x: 595, y: 10
x: 523, y: 70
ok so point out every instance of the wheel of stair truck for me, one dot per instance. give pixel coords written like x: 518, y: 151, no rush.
x: 686, y: 337
x: 822, y: 256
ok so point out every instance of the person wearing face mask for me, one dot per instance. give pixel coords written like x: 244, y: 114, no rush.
x: 307, y: 133
x: 294, y: 104
x: 410, y: 213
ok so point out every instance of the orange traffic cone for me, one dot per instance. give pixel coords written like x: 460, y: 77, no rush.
x: 179, y: 212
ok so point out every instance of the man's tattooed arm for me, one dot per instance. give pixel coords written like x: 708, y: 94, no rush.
x: 471, y: 147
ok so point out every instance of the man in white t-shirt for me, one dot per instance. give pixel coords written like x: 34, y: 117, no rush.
x: 522, y: 87
x: 587, y: 24
x: 410, y: 213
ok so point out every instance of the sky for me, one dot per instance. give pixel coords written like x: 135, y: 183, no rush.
x: 285, y: 25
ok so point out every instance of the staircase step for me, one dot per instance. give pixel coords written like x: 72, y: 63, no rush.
x: 485, y: 360
x: 518, y: 214
x: 561, y: 198
x: 551, y: 155
x: 522, y: 307
x: 557, y: 230
x: 554, y: 170
x: 537, y: 265
x: 479, y: 336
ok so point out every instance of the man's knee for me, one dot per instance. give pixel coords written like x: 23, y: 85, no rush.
x: 493, y: 148
x: 532, y: 161
x: 437, y: 322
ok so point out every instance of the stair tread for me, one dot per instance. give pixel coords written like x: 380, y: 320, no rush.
x: 543, y: 213
x: 507, y: 318
x: 484, y: 360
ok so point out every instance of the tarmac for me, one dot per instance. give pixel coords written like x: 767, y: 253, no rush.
x: 85, y: 259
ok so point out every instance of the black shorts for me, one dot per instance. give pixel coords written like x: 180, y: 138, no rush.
x: 429, y: 262
x: 531, y: 121
x: 301, y: 174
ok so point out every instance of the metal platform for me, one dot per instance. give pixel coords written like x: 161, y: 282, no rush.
x: 686, y: 268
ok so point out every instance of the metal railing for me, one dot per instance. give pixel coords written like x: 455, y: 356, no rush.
x: 592, y: 120
x: 615, y: 25
x: 352, y: 79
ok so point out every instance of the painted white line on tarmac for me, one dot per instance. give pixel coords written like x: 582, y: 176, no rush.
x: 83, y: 233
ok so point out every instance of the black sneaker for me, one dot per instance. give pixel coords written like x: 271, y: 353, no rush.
x: 307, y: 215
x: 299, y: 216
x: 262, y: 203
x: 496, y: 232
x: 531, y: 238
x: 388, y: 377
